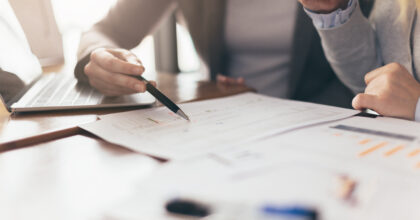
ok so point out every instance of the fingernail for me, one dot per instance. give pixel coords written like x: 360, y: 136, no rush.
x: 138, y: 87
x: 138, y: 69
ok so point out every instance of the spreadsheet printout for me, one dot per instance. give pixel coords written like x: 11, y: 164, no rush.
x: 214, y: 123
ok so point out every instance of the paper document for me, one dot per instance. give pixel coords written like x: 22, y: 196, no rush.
x: 355, y: 144
x: 382, y: 155
x: 389, y: 144
x: 214, y: 123
x: 296, y: 179
x: 341, y: 168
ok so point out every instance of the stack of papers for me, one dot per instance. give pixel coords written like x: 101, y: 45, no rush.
x: 305, y: 166
x: 255, y: 149
x: 214, y: 124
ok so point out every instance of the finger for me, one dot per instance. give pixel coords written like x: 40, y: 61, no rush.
x: 230, y: 81
x: 131, y: 58
x: 373, y: 75
x: 221, y: 78
x: 121, y: 80
x: 153, y: 83
x: 108, y: 61
x: 128, y: 57
x: 391, y: 69
x: 105, y: 85
x: 109, y: 90
x: 365, y: 101
x: 377, y: 86
x: 125, y: 55
x: 235, y: 81
x: 112, y: 92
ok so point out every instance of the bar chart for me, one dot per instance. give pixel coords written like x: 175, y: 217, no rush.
x: 378, y: 144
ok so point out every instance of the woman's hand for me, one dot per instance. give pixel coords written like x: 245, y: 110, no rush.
x: 108, y: 71
x: 324, y: 6
x: 391, y: 91
x: 230, y: 81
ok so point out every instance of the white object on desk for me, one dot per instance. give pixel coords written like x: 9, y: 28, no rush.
x: 299, y: 167
x: 216, y: 123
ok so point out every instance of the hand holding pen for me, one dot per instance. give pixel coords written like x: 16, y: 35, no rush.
x: 119, y: 72
x: 109, y: 72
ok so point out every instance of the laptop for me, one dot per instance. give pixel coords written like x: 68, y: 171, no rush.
x: 24, y: 88
x: 55, y: 91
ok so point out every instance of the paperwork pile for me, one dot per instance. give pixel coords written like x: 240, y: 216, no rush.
x: 214, y: 124
x: 289, y: 169
x: 255, y: 149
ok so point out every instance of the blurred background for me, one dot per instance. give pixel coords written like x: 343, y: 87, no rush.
x: 169, y: 49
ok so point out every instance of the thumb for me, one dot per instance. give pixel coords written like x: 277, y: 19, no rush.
x: 365, y: 101
x: 126, y: 55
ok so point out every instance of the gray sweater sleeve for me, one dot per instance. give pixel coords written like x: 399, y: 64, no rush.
x: 352, y: 50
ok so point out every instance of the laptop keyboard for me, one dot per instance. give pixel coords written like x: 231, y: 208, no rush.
x: 64, y: 91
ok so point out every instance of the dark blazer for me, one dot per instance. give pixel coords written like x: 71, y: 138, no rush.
x: 131, y: 20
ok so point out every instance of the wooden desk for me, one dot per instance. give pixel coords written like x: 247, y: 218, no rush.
x: 71, y: 178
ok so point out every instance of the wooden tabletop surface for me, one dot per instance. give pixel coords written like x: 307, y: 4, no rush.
x: 71, y: 178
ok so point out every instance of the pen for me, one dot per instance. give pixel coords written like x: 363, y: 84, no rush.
x: 162, y: 98
x: 192, y: 208
x: 292, y: 212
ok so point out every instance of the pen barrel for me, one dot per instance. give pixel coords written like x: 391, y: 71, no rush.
x: 161, y: 97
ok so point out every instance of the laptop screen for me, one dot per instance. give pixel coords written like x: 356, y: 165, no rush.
x: 18, y: 66
x: 10, y: 85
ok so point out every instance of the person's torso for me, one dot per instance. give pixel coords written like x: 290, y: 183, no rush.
x: 311, y: 78
x: 258, y: 39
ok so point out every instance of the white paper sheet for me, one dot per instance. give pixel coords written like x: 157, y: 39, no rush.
x: 307, y: 182
x: 299, y: 167
x: 214, y: 124
x: 391, y: 145
x: 382, y: 155
x: 384, y: 146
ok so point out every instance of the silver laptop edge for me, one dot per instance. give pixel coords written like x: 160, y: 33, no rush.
x: 26, y: 99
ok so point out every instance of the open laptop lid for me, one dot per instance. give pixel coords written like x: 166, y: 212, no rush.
x: 18, y: 66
